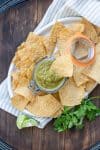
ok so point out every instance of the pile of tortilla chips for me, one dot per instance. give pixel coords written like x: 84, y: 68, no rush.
x: 81, y: 79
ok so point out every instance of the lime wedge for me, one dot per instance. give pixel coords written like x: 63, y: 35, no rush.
x: 24, y: 121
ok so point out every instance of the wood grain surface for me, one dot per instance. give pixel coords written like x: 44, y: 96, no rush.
x: 15, y: 24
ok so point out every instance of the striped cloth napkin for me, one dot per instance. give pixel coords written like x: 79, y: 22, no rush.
x: 90, y: 9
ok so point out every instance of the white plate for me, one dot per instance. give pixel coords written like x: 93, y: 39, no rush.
x: 44, y: 31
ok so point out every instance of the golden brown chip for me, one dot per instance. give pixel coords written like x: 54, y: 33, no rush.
x: 44, y: 106
x: 76, y: 27
x: 78, y: 75
x: 57, y: 114
x: 70, y: 94
x: 90, y: 85
x: 15, y: 79
x: 25, y: 92
x: 63, y: 35
x: 19, y: 102
x: 63, y: 66
x: 97, y: 30
x: 24, y: 63
x: 94, y: 70
x: 49, y: 44
x: 90, y: 31
x: 51, y: 40
x: 23, y: 82
x: 16, y: 57
x: 32, y: 37
x: 21, y: 78
x: 31, y: 51
x: 99, y: 38
x: 29, y: 71
x: 98, y: 49
x: 56, y: 28
x: 56, y: 95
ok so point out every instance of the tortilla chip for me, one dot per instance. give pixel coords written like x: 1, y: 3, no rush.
x: 90, y: 85
x: 90, y: 31
x: 98, y: 49
x: 99, y: 38
x: 63, y: 35
x: 63, y: 66
x: 15, y: 79
x: 57, y: 114
x: 97, y: 30
x: 25, y: 92
x: 76, y: 27
x: 29, y: 72
x: 31, y: 51
x: 56, y: 95
x: 44, y: 106
x: 41, y: 93
x: 51, y: 40
x: 56, y: 28
x: 16, y: 57
x: 70, y: 94
x: 23, y: 82
x: 19, y: 102
x: 33, y: 38
x: 24, y: 63
x: 94, y: 70
x: 49, y: 44
x: 78, y: 75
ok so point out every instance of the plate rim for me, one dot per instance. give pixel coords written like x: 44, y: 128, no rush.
x: 43, y: 29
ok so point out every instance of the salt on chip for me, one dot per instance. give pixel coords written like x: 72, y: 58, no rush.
x: 19, y: 102
x: 44, y: 106
x: 31, y: 51
x: 56, y: 28
x: 78, y: 75
x: 19, y: 78
x: 24, y: 63
x: 94, y: 70
x: 63, y: 66
x: 32, y: 37
x: 51, y: 40
x: 49, y: 44
x: 63, y: 35
x: 70, y: 94
x: 25, y: 92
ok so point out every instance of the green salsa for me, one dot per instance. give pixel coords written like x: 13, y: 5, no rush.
x: 45, y: 77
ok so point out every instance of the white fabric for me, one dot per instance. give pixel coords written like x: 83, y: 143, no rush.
x: 90, y: 9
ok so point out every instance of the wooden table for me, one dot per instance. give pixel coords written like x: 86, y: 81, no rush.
x: 15, y: 24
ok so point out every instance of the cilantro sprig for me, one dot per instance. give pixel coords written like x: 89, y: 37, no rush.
x: 74, y: 117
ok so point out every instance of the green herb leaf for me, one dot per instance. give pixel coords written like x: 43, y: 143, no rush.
x: 74, y: 117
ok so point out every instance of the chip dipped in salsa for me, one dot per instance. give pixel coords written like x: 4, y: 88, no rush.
x: 45, y: 77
